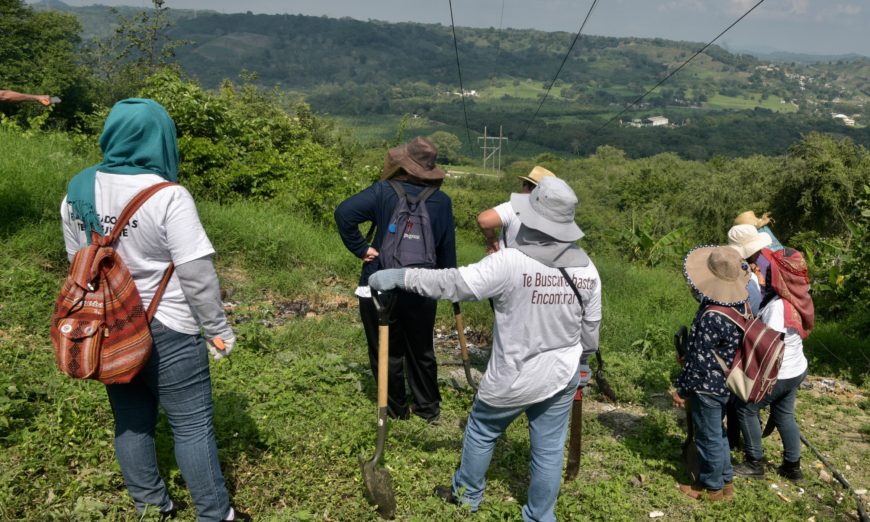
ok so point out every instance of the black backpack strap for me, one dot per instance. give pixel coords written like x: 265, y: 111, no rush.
x: 571, y: 284
x: 413, y: 200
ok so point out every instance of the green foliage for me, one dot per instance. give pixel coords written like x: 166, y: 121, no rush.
x: 137, y: 48
x: 449, y: 146
x: 38, y: 57
x: 295, y: 403
x: 670, y: 247
x: 819, y: 184
x: 240, y: 143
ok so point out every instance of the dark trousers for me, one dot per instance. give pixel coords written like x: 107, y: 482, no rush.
x: 412, y: 324
x: 781, y: 401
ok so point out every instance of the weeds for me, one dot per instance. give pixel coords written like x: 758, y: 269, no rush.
x: 294, y: 404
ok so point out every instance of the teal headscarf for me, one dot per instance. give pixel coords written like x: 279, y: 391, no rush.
x: 138, y: 138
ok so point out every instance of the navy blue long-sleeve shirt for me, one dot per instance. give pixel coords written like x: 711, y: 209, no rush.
x: 711, y: 332
x: 375, y: 204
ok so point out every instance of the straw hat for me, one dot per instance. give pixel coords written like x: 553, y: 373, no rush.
x: 549, y: 208
x: 536, y: 175
x: 718, y: 273
x: 416, y: 157
x: 749, y: 218
x: 747, y: 240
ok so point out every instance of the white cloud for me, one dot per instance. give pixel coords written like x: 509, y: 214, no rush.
x: 682, y: 5
x: 848, y: 9
x: 770, y: 10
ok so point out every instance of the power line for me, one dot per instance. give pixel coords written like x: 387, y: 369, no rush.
x: 498, y: 40
x: 459, y: 70
x: 498, y: 53
x: 564, y: 60
x: 675, y: 71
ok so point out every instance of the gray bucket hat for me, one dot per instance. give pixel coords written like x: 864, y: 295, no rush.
x: 549, y: 208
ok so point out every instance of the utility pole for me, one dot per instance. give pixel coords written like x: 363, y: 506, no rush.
x: 492, y: 149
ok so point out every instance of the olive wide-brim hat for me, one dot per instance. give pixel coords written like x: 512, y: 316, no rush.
x: 718, y: 273
x: 417, y: 158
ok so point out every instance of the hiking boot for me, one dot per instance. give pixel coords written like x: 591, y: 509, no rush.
x: 750, y: 468
x: 728, y: 490
x: 445, y: 493
x: 791, y: 470
x: 434, y: 420
x: 699, y: 493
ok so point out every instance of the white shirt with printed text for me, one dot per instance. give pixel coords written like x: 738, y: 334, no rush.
x: 165, y: 229
x: 536, y: 345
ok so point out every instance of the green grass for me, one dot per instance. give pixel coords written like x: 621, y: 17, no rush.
x: 294, y: 404
x: 772, y: 103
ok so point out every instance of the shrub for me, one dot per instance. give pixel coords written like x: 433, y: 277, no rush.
x: 241, y: 143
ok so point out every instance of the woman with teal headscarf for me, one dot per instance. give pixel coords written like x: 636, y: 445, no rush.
x: 140, y: 150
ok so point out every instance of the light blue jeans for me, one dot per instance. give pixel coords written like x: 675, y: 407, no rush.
x: 548, y: 425
x: 711, y: 439
x: 176, y: 378
x: 781, y: 401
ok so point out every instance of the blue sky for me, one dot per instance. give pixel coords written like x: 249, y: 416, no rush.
x: 799, y: 26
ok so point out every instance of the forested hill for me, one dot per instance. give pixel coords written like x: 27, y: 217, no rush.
x: 296, y: 50
x: 722, y: 103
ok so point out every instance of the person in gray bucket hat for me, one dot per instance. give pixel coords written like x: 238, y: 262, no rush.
x: 542, y: 337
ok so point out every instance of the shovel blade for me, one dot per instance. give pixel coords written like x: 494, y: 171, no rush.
x: 379, y: 488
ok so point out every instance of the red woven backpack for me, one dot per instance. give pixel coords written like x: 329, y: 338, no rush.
x: 756, y: 363
x: 100, y: 329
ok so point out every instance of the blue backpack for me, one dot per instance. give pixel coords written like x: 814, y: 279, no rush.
x: 408, y: 239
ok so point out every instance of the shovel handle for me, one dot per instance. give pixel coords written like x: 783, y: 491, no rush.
x: 463, y: 345
x: 383, y: 363
x: 460, y: 329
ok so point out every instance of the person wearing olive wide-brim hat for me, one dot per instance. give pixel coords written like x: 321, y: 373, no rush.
x: 541, y: 336
x: 503, y: 215
x: 412, y: 166
x: 717, y: 276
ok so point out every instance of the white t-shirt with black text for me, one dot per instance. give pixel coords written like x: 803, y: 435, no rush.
x: 166, y: 228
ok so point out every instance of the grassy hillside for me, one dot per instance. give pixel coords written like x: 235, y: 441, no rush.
x: 294, y: 404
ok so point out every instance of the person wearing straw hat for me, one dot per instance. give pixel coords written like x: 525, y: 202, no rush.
x: 542, y: 336
x: 762, y: 224
x: 717, y: 275
x: 750, y: 243
x: 413, y: 323
x: 503, y: 215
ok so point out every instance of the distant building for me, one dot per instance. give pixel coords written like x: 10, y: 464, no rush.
x: 656, y: 121
x: 847, y: 121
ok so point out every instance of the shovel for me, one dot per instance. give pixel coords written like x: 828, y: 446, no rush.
x: 460, y: 328
x: 379, y: 485
x: 575, y: 444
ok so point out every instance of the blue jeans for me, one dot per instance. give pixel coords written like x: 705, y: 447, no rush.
x: 548, y: 425
x: 711, y: 438
x: 176, y: 378
x: 781, y: 401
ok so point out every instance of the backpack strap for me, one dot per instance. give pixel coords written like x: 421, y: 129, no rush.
x: 414, y: 200
x: 572, y: 285
x: 735, y: 317
x: 131, y: 208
